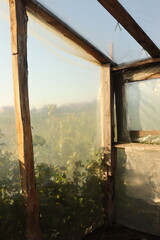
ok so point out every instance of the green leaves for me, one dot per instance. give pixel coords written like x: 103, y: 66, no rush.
x: 69, y: 206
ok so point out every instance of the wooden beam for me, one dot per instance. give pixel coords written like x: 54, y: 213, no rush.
x: 18, y: 19
x: 43, y: 14
x: 110, y: 154
x: 139, y: 134
x: 121, y: 114
x: 152, y: 147
x: 143, y: 73
x: 125, y: 19
x: 139, y: 73
x: 144, y: 63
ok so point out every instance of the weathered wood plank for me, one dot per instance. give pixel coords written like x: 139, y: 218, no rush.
x: 53, y: 21
x: 139, y: 134
x: 142, y: 146
x: 143, y: 73
x: 18, y: 19
x: 139, y: 73
x: 120, y: 97
x: 151, y: 62
x: 125, y: 19
x: 109, y: 156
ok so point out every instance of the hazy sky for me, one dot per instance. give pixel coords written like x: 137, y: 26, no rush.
x: 55, y: 76
x: 58, y: 77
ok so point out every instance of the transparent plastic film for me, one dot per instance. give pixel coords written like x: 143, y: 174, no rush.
x: 142, y: 175
x: 143, y: 111
x: 96, y: 25
x: 53, y: 38
x: 137, y: 189
x: 63, y: 104
x: 143, y: 12
x: 11, y: 201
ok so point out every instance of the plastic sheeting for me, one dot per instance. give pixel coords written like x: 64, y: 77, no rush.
x: 7, y: 115
x: 143, y: 110
x: 137, y: 189
x: 63, y: 92
x: 11, y: 202
x: 95, y: 24
x: 146, y: 14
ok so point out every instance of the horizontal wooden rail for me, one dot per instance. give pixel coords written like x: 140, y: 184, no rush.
x: 139, y: 134
x: 137, y: 146
x: 144, y: 63
x: 43, y: 14
x: 139, y: 73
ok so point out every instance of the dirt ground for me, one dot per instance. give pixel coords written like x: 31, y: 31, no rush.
x: 118, y: 233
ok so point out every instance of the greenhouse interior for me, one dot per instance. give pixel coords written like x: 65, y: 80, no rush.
x: 79, y: 120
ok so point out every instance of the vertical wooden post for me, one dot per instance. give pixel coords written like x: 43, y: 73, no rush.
x: 109, y: 152
x: 18, y: 19
x: 122, y: 131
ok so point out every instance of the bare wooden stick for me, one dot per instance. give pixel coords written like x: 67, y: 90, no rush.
x: 18, y: 19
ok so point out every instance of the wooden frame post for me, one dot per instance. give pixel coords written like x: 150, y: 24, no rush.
x: 109, y: 152
x: 18, y: 19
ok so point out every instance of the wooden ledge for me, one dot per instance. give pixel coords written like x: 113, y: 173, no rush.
x: 150, y: 61
x: 141, y: 146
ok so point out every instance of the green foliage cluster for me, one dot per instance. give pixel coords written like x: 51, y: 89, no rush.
x: 69, y: 206
x: 11, y: 203
x: 64, y: 135
x: 68, y: 175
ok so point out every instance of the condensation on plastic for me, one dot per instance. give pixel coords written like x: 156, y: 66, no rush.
x: 143, y: 110
x: 138, y: 189
x: 95, y: 24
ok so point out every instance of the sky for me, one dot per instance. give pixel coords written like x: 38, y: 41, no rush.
x: 55, y: 75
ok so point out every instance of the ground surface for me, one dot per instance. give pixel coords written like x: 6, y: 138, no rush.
x: 118, y: 233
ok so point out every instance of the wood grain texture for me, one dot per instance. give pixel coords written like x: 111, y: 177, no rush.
x: 120, y: 97
x: 131, y: 66
x: 143, y: 73
x: 139, y: 134
x: 125, y: 19
x: 140, y: 73
x: 53, y: 21
x: 142, y: 146
x: 110, y: 153
x: 18, y: 19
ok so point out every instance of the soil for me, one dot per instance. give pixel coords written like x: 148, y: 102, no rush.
x: 118, y: 233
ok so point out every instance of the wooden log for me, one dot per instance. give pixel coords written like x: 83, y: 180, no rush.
x: 110, y: 154
x: 44, y: 15
x: 125, y: 19
x: 18, y: 19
